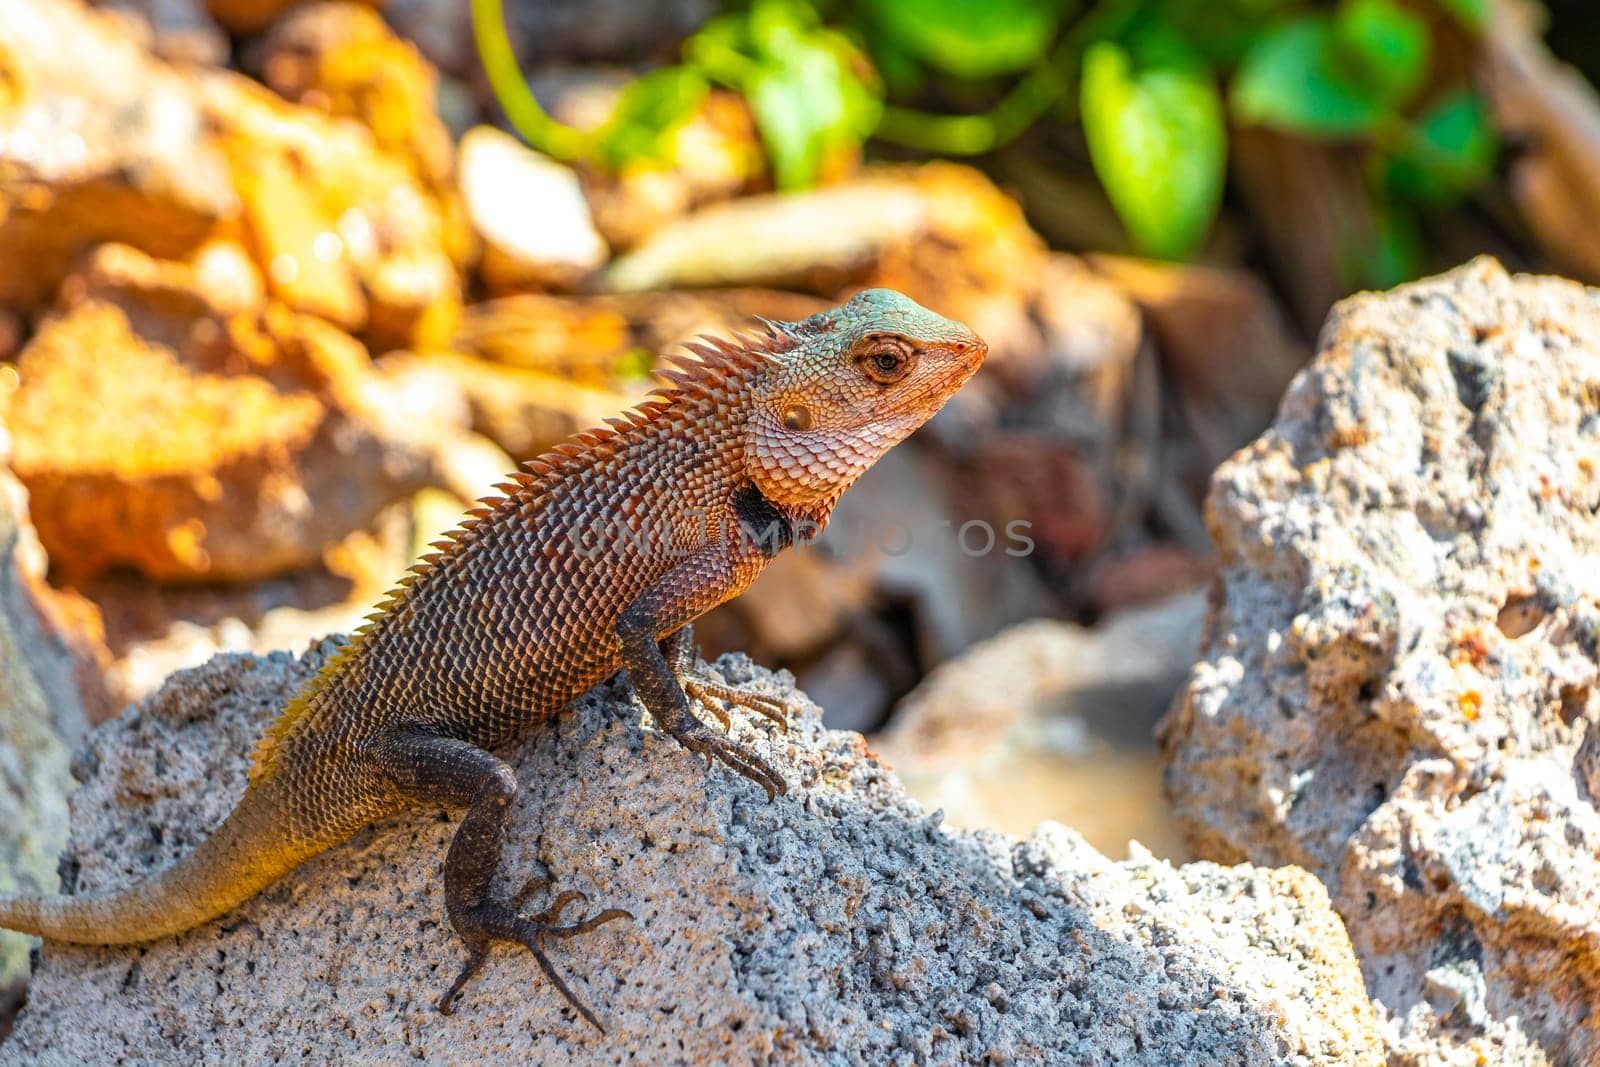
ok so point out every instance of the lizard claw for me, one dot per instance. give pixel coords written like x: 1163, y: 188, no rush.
x: 714, y: 708
x: 531, y: 888
x: 498, y: 922
x: 737, y: 757
x: 712, y: 694
x: 551, y: 915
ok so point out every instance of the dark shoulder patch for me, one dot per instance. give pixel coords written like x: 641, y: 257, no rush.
x: 761, y: 522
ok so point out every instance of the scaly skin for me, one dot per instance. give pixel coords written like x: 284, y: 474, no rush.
x: 598, y: 558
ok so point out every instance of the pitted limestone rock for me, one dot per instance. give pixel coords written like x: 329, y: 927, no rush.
x: 1402, y: 662
x: 840, y: 924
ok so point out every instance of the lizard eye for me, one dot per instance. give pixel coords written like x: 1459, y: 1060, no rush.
x: 797, y: 417
x: 886, y: 360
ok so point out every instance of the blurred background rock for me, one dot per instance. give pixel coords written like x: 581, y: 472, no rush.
x: 285, y: 286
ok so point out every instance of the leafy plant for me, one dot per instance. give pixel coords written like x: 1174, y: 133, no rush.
x: 1154, y: 85
x: 1333, y: 75
x: 646, y: 112
x: 812, y: 92
x: 1157, y: 140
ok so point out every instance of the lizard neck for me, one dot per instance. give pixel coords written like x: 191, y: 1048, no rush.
x: 773, y: 527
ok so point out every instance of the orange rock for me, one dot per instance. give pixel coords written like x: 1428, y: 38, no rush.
x: 87, y: 434
x: 343, y: 60
x: 159, y: 428
x: 102, y: 142
x: 340, y: 228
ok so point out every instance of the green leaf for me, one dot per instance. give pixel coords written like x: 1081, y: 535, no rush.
x: 649, y: 109
x: 1450, y: 151
x: 809, y: 88
x: 970, y: 38
x: 1158, y: 142
x: 1386, y: 43
x: 1293, y: 80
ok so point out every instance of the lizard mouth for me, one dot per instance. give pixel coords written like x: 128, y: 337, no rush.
x: 974, y: 353
x: 969, y: 356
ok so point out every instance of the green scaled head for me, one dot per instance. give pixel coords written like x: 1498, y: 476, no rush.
x: 856, y: 381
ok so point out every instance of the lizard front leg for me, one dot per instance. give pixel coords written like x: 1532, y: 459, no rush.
x: 712, y: 692
x: 684, y: 593
x: 443, y: 772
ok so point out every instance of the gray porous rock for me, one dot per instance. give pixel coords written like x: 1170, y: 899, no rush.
x: 1397, y: 685
x: 840, y: 924
x: 42, y: 715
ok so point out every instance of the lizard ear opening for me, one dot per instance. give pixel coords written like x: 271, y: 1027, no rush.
x: 797, y: 417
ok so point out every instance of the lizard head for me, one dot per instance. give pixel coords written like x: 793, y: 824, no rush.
x: 856, y: 381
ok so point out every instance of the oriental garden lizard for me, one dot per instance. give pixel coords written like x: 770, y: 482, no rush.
x: 598, y: 556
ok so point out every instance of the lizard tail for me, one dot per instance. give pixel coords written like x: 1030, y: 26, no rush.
x: 248, y: 852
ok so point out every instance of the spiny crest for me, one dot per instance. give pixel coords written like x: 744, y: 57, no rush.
x: 715, y: 364
x: 718, y: 362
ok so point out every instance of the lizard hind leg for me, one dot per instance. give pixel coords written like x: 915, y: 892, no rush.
x: 445, y: 772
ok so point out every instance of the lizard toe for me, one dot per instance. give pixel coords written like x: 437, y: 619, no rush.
x: 712, y: 694
x: 477, y: 955
x: 492, y: 922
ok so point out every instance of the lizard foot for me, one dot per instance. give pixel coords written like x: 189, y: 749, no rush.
x: 713, y: 694
x: 491, y: 922
x: 699, y: 738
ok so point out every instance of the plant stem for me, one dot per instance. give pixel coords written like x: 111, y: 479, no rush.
x: 511, y: 90
x: 971, y: 135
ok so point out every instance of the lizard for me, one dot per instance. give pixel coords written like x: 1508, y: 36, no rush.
x: 595, y: 557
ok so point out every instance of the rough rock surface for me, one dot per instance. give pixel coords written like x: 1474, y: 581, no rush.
x: 1398, y: 679
x: 342, y: 59
x: 41, y: 716
x: 840, y: 924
